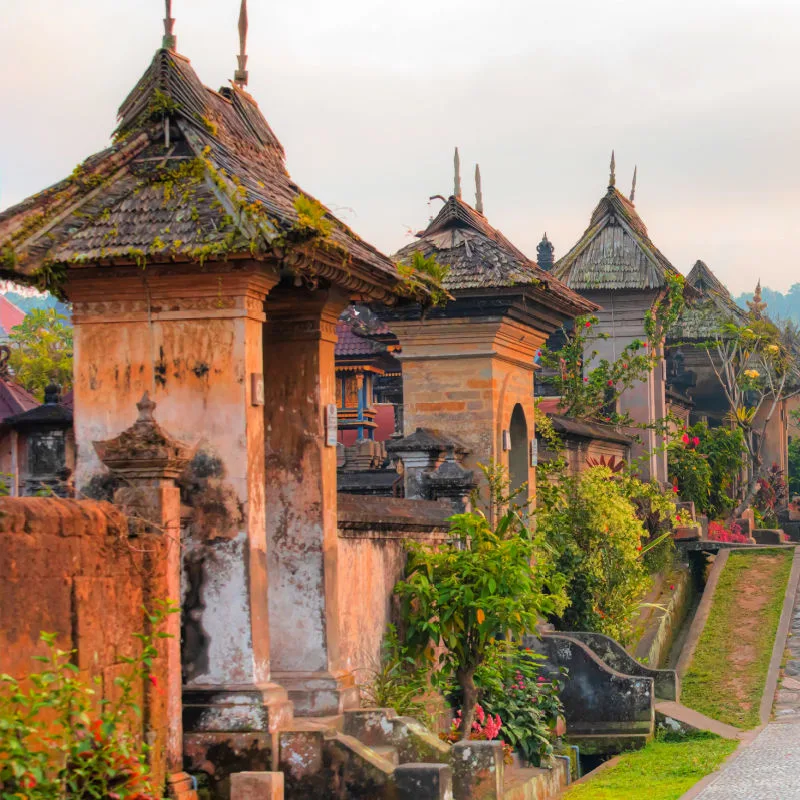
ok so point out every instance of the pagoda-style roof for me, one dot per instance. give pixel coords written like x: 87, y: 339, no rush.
x: 705, y: 314
x: 192, y: 175
x: 615, y: 251
x: 14, y: 399
x: 483, y: 260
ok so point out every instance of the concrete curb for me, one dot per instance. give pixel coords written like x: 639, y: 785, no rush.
x: 781, y: 636
x: 701, y: 615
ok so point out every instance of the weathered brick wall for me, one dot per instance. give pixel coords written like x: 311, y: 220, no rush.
x: 373, y: 533
x: 69, y: 567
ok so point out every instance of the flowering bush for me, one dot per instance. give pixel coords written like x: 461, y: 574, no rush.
x: 772, y: 495
x: 717, y: 532
x: 57, y: 741
x: 514, y: 690
x: 485, y: 728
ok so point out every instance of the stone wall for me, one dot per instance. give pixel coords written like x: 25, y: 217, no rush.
x: 373, y: 533
x: 69, y: 567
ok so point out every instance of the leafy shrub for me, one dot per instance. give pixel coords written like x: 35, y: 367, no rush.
x: 58, y: 741
x: 484, y: 582
x: 514, y: 690
x: 398, y: 682
x: 597, y: 535
x: 772, y: 495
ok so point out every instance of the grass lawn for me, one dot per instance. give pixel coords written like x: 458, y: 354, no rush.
x: 664, y: 770
x: 727, y: 675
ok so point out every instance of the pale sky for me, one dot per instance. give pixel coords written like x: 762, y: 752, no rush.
x: 369, y: 98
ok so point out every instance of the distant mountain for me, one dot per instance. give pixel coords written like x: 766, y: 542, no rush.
x: 44, y: 302
x: 779, y: 306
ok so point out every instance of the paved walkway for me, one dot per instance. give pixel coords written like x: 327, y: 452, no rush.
x: 769, y: 768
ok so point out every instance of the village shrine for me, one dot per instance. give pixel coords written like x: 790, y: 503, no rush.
x: 205, y: 280
x: 474, y: 356
x: 616, y: 265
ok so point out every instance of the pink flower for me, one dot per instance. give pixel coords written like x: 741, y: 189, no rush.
x: 696, y: 441
x: 685, y: 438
x: 588, y: 324
x: 480, y: 713
x: 586, y: 380
x: 672, y: 587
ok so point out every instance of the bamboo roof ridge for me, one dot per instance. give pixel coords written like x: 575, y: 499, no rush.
x: 192, y: 174
x: 615, y: 251
x: 480, y: 257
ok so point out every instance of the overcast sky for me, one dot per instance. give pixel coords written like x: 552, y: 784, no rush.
x: 369, y: 98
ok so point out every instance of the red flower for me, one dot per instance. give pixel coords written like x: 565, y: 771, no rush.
x: 644, y: 344
x: 675, y: 489
x: 586, y: 380
x: 696, y: 441
x: 27, y: 781
x: 685, y: 438
x: 611, y: 383
x: 672, y: 587
x: 639, y: 548
x: 588, y: 324
x: 624, y: 366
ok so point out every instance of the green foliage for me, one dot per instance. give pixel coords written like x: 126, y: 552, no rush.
x: 592, y: 522
x: 425, y: 274
x: 794, y: 466
x: 399, y: 681
x: 702, y: 463
x: 511, y: 686
x: 41, y: 351
x: 58, y: 741
x: 5, y: 484
x: 312, y: 217
x: 463, y: 594
x: 664, y: 770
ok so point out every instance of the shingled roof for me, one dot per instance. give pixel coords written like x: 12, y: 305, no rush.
x: 192, y: 175
x: 480, y: 257
x: 14, y: 399
x: 615, y: 251
x: 713, y: 307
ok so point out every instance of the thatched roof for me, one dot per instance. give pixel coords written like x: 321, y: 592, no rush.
x: 615, y: 251
x: 704, y: 315
x: 480, y: 257
x: 193, y: 174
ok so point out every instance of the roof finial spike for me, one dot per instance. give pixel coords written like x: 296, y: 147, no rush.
x: 457, y: 165
x: 169, y: 42
x: 633, y: 185
x: 612, y: 180
x: 240, y: 77
x: 478, y: 190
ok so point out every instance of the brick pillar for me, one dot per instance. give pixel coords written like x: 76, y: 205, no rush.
x: 302, y: 539
x: 149, y: 462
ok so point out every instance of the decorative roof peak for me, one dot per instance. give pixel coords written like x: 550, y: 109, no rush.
x: 612, y: 178
x: 457, y: 179
x: 241, y: 74
x: 478, y: 190
x: 633, y: 184
x: 169, y: 42
x: 757, y: 306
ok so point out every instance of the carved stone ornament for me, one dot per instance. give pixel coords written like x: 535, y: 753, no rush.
x: 144, y: 450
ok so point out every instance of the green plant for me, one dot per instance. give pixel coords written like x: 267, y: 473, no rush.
x: 41, y: 351
x: 511, y: 686
x: 5, y: 484
x: 425, y: 273
x: 593, y: 525
x: 794, y: 466
x: 664, y: 770
x: 481, y: 583
x: 399, y: 681
x: 59, y: 742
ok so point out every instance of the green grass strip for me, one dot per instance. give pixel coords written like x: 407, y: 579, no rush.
x: 664, y: 770
x: 729, y: 669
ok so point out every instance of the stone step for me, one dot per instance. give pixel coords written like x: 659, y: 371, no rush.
x: 526, y: 783
x: 387, y: 752
x: 680, y: 718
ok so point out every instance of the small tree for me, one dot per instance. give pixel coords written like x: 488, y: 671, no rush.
x: 757, y: 372
x: 41, y: 351
x: 458, y: 598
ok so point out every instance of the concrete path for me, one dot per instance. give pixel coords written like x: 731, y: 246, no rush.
x: 769, y: 768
